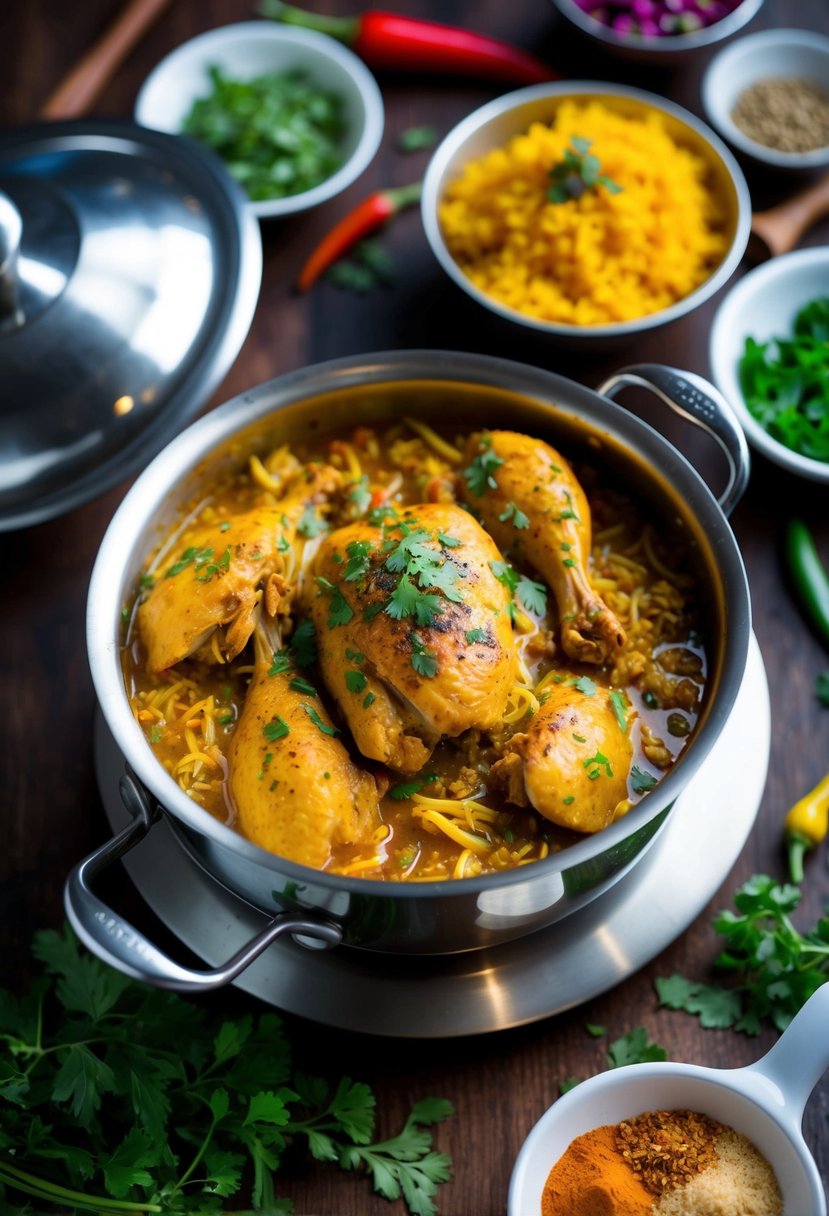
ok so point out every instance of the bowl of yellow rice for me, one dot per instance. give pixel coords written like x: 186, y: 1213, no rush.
x: 586, y: 210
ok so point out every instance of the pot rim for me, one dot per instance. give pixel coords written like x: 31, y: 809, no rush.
x: 203, y: 437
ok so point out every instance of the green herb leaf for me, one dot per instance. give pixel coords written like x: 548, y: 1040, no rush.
x: 309, y: 523
x: 577, y: 172
x: 304, y: 644
x: 620, y: 703
x: 635, y: 1047
x: 405, y: 789
x: 415, y: 139
x: 641, y: 781
x: 276, y: 729
x: 716, y: 1007
x: 480, y: 474
x: 475, y: 635
x: 355, y: 681
x: 318, y: 722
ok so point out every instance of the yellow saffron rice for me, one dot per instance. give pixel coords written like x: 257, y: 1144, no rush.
x: 602, y: 258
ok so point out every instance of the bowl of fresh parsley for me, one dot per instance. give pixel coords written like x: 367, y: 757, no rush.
x: 295, y: 116
x: 769, y: 351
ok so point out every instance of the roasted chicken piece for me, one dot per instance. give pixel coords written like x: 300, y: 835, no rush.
x: 572, y: 761
x: 225, y: 569
x: 414, y: 631
x: 529, y: 500
x: 296, y: 790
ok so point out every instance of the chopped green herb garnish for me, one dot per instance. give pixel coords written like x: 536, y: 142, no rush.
x: 405, y: 789
x: 586, y: 685
x: 355, y: 681
x: 415, y: 139
x: 279, y: 134
x: 340, y: 611
x: 318, y: 722
x: 360, y: 495
x: 358, y: 564
x: 641, y: 781
x: 225, y: 525
x: 301, y: 685
x: 596, y: 763
x: 569, y: 800
x: 620, y: 704
x: 156, y: 733
x: 480, y: 474
x: 369, y: 699
x: 519, y: 519
x: 475, y: 635
x: 785, y: 382
x: 424, y: 662
x: 282, y: 662
x: 449, y: 542
x: 282, y: 545
x: 309, y: 523
x: 277, y: 729
x: 577, y: 172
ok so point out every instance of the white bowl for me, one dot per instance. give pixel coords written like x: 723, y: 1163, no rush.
x: 254, y: 48
x: 494, y: 124
x: 763, y: 305
x: 763, y: 1102
x: 670, y: 49
x: 790, y: 53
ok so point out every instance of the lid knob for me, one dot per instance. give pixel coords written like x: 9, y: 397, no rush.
x: 11, y: 229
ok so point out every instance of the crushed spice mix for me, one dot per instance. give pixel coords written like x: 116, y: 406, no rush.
x: 666, y: 1149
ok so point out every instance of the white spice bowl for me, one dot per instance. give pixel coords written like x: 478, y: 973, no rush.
x: 256, y: 48
x: 763, y: 305
x: 764, y: 1102
x: 793, y: 54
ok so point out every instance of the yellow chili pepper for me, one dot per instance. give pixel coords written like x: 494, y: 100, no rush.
x: 807, y: 824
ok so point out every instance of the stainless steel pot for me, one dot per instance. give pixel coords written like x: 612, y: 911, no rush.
x: 436, y: 917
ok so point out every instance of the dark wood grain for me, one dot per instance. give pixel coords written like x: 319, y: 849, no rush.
x: 499, y: 1083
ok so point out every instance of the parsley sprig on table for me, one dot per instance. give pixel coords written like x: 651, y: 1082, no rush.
x: 117, y: 1098
x: 774, y: 967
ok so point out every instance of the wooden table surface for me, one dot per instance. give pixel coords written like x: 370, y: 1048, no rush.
x: 499, y: 1083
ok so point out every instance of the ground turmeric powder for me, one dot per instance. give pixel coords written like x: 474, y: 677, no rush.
x: 592, y: 1179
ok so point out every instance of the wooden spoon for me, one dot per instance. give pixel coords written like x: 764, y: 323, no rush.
x: 84, y: 83
x: 778, y: 230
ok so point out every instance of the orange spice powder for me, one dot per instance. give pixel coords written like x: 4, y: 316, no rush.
x: 593, y: 1179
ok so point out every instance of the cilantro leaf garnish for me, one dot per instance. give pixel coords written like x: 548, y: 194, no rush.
x: 577, y: 172
x: 340, y: 611
x: 480, y: 474
x: 358, y: 563
x: 532, y: 595
x: 121, y: 1097
x: 620, y: 703
x: 407, y: 600
x: 641, y: 781
x: 299, y: 684
x: 360, y: 495
x: 309, y: 523
x: 355, y: 681
x: 586, y: 685
x: 519, y: 519
x: 424, y: 661
x: 475, y: 635
x: 406, y: 789
x: 635, y: 1047
x: 773, y: 967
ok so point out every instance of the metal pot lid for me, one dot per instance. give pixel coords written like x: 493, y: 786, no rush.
x: 130, y: 267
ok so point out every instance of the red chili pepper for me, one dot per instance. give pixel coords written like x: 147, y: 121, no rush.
x: 366, y: 217
x: 389, y: 41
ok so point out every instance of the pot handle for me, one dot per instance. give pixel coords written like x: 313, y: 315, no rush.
x: 115, y: 940
x: 692, y: 397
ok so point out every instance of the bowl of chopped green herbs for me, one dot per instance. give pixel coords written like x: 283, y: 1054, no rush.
x: 295, y: 116
x: 769, y: 353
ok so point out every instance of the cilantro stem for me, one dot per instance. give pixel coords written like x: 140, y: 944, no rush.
x: 30, y: 1184
x: 202, y: 1150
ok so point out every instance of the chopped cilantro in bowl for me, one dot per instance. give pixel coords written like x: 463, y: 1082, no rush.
x: 278, y: 134
x: 785, y: 382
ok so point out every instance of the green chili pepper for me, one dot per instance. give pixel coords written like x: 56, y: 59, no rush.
x: 809, y: 575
